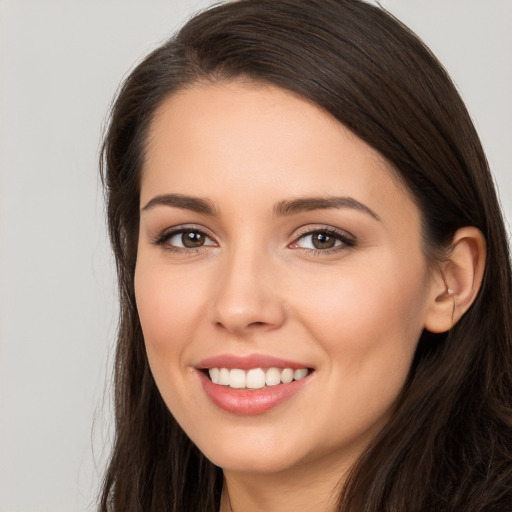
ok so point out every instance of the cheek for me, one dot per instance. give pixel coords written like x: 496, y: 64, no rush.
x: 368, y: 323
x: 170, y: 307
x: 169, y: 311
x: 167, y: 307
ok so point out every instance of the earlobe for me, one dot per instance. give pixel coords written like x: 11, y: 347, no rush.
x: 457, y: 281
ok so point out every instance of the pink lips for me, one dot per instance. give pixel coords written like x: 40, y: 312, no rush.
x: 248, y: 362
x: 244, y: 401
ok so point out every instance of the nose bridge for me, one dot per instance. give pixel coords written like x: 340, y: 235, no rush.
x: 247, y: 294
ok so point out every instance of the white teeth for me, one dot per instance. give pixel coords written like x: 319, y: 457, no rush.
x: 300, y: 374
x: 236, y: 378
x: 273, y: 377
x: 214, y: 375
x: 224, y: 377
x: 256, y: 378
x: 286, y: 375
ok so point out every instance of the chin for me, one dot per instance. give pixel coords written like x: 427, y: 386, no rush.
x: 254, y: 463
x: 250, y: 454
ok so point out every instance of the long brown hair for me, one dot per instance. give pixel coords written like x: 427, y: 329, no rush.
x: 448, y: 444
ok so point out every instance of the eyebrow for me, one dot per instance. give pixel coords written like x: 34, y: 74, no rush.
x: 195, y: 204
x: 306, y: 204
x: 281, y: 209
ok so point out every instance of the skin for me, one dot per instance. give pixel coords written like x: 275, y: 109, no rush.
x: 354, y: 313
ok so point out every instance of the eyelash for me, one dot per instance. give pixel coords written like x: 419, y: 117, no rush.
x: 347, y: 240
x: 163, y: 239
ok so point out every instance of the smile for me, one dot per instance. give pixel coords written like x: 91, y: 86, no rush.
x: 253, y: 384
x: 255, y: 378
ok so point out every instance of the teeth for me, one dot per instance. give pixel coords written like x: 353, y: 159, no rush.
x: 223, y: 376
x: 300, y: 374
x: 256, y: 378
x: 273, y: 377
x: 286, y: 375
x: 214, y: 375
x: 236, y: 378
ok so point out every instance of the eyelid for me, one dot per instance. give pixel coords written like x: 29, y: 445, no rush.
x: 347, y: 239
x: 163, y: 236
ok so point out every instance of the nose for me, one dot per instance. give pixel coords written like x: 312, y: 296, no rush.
x: 248, y: 296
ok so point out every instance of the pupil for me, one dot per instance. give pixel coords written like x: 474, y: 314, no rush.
x: 323, y: 241
x: 192, y: 239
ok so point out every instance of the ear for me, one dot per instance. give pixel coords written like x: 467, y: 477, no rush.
x: 457, y: 280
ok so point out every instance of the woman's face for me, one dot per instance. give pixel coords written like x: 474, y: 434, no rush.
x: 274, y: 243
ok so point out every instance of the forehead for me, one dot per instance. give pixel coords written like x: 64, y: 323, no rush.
x: 256, y: 116
x: 245, y: 138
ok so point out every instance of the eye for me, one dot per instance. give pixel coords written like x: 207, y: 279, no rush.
x: 318, y: 241
x: 323, y: 240
x: 185, y: 239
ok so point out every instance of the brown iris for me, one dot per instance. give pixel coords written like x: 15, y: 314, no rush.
x: 192, y: 239
x: 323, y: 241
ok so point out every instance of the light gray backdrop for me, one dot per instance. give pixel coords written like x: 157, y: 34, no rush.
x: 60, y: 63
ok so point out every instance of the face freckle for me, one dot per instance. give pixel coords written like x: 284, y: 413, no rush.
x: 269, y: 232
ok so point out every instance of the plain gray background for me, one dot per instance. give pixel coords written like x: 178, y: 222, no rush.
x: 60, y: 64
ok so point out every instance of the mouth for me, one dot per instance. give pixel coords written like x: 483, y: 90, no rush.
x: 253, y: 384
x: 255, y: 378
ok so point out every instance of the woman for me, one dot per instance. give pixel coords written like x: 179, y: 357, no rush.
x: 314, y: 274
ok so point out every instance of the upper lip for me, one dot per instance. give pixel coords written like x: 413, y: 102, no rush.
x: 247, y: 362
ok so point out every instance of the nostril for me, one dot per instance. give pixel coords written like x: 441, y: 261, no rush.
x: 251, y: 312
x: 249, y: 325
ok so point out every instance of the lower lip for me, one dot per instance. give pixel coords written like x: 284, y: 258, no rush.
x: 248, y: 402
